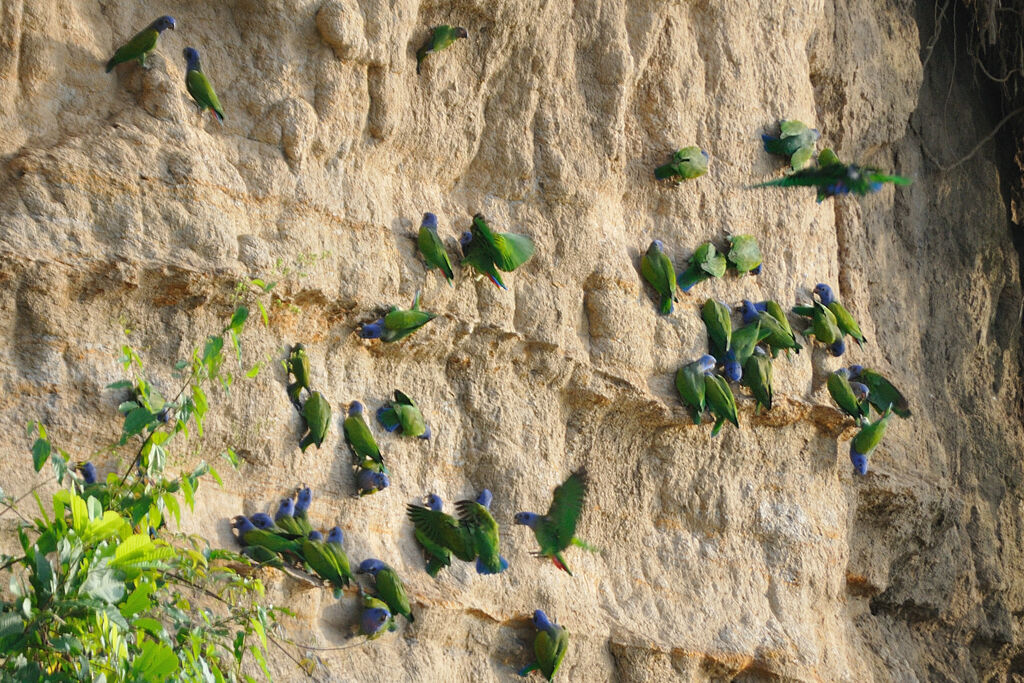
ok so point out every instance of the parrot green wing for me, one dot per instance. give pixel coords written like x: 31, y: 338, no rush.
x: 392, y: 590
x: 657, y: 269
x: 317, y: 558
x: 507, y: 249
x: 482, y: 530
x: 802, y: 157
x: 870, y: 435
x: 566, y: 506
x: 719, y: 323
x: 827, y: 157
x: 136, y: 48
x: 400, y: 324
x: 745, y: 254
x: 805, y: 311
x: 757, y: 375
x: 340, y: 560
x: 842, y: 393
x: 775, y: 311
x: 846, y: 323
x: 721, y: 401
x: 360, y: 440
x: 290, y: 525
x: 202, y: 92
x: 550, y: 651
x: 477, y: 256
x: 709, y: 260
x: 438, y: 557
x: 443, y: 530
x: 882, y: 393
x: 745, y: 339
x: 434, y: 253
x: 298, y: 367
x: 270, y: 540
x: 792, y: 128
x: 263, y: 556
x: 824, y: 326
x: 317, y: 413
x: 873, y: 175
x: 690, y: 385
x: 666, y: 171
x: 411, y: 419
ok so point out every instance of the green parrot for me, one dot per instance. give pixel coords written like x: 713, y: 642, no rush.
x: 823, y: 325
x: 757, y: 375
x: 745, y: 254
x: 482, y: 532
x: 199, y: 87
x: 690, y: 385
x: 249, y: 534
x: 745, y: 341
x: 285, y: 519
x: 360, y: 440
x: 881, y: 392
x: 437, y: 555
x: 317, y: 414
x: 656, y: 267
x: 549, y: 647
x: 440, y: 534
x: 475, y: 254
x: 687, y: 163
x: 831, y: 178
x: 718, y: 321
x: 397, y: 324
x: 432, y: 248
x: 441, y: 37
x: 335, y: 539
x: 298, y: 367
x: 867, y: 440
x: 845, y: 321
x: 139, y: 47
x: 262, y: 556
x: 321, y: 560
x: 376, y: 619
x: 705, y: 263
x: 507, y: 249
x: 773, y: 321
x: 795, y: 142
x: 720, y: 401
x: 300, y: 510
x: 389, y: 587
x: 842, y: 393
x: 556, y: 530
x: 403, y: 414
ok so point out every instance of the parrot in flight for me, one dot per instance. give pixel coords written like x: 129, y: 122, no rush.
x: 687, y: 163
x: 438, y: 556
x: 199, y: 87
x: 139, y: 47
x: 657, y: 269
x: 832, y: 177
x: 440, y: 37
x: 556, y: 530
x: 474, y: 536
x: 549, y: 647
x: 487, y: 250
x: 795, y: 142
x: 397, y: 324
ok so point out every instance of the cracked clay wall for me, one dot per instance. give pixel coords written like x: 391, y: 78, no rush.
x: 754, y: 555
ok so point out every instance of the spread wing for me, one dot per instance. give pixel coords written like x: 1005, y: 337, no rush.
x: 442, y: 529
x: 566, y: 506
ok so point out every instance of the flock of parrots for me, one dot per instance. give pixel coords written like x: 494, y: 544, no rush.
x: 744, y: 356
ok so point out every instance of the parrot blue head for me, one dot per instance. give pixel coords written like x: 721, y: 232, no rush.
x: 374, y: 330
x: 262, y: 520
x: 485, y: 498
x: 163, y: 23
x: 707, y: 363
x: 286, y: 508
x: 461, y: 32
x: 758, y: 351
x: 305, y: 498
x: 426, y: 433
x: 824, y: 293
x: 434, y: 502
x: 541, y: 621
x: 368, y: 480
x: 855, y: 371
x: 859, y: 390
x: 372, y: 619
x: 529, y: 519
x: 750, y: 312
x: 733, y: 370
x: 429, y: 221
x: 465, y: 238
x: 355, y: 409
x: 838, y: 348
x: 371, y: 566
x: 842, y: 372
x: 482, y: 569
x: 316, y: 536
x: 335, y: 535
x: 88, y: 471
x: 859, y: 460
x: 757, y: 270
x: 659, y: 244
x: 242, y: 524
x: 191, y: 59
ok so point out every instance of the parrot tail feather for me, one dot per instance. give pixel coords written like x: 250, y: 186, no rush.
x: 586, y: 546
x: 559, y: 562
x: 532, y: 666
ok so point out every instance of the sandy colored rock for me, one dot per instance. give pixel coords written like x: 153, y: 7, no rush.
x: 754, y: 555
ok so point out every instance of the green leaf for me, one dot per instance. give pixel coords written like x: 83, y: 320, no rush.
x: 121, y: 384
x: 263, y: 314
x: 139, y: 601
x: 150, y: 625
x: 11, y: 624
x: 189, y: 492
x: 172, y: 504
x: 216, y: 476
x: 127, y: 406
x: 104, y: 583
x: 212, y: 358
x: 156, y: 662
x: 79, y: 514
x: 40, y: 453
x: 253, y: 371
x: 136, y: 421
x: 238, y: 319
x: 231, y: 457
x: 94, y: 507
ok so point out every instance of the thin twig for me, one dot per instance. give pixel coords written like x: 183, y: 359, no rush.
x: 981, y: 143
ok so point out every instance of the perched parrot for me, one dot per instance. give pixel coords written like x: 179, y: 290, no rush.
x: 795, y: 142
x: 370, y: 481
x: 690, y: 385
x: 867, y: 440
x: 745, y: 340
x: 842, y: 392
x: 139, y: 47
x: 687, y: 163
x: 720, y: 401
x: 317, y: 414
x: 773, y: 320
x: 360, y: 440
x: 831, y: 177
x: 476, y: 255
x: 301, y: 511
x: 432, y: 248
x: 285, y: 518
x: 745, y: 254
x: 438, y: 556
x: 705, y: 263
x: 263, y: 556
x: 881, y: 392
x: 556, y: 530
x: 389, y: 587
x: 402, y: 414
x: 507, y: 250
x: 335, y: 541
x: 845, y: 321
x: 757, y: 375
x: 263, y: 522
x: 482, y: 532
x: 397, y: 324
x: 441, y: 37
x: 718, y: 322
x: 375, y: 618
x: 199, y: 87
x: 92, y: 486
x: 549, y: 647
x: 657, y: 269
x: 824, y: 326
x: 249, y: 534
x: 298, y: 367
x: 323, y: 561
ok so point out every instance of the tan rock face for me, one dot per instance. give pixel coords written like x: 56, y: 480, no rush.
x: 756, y: 554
